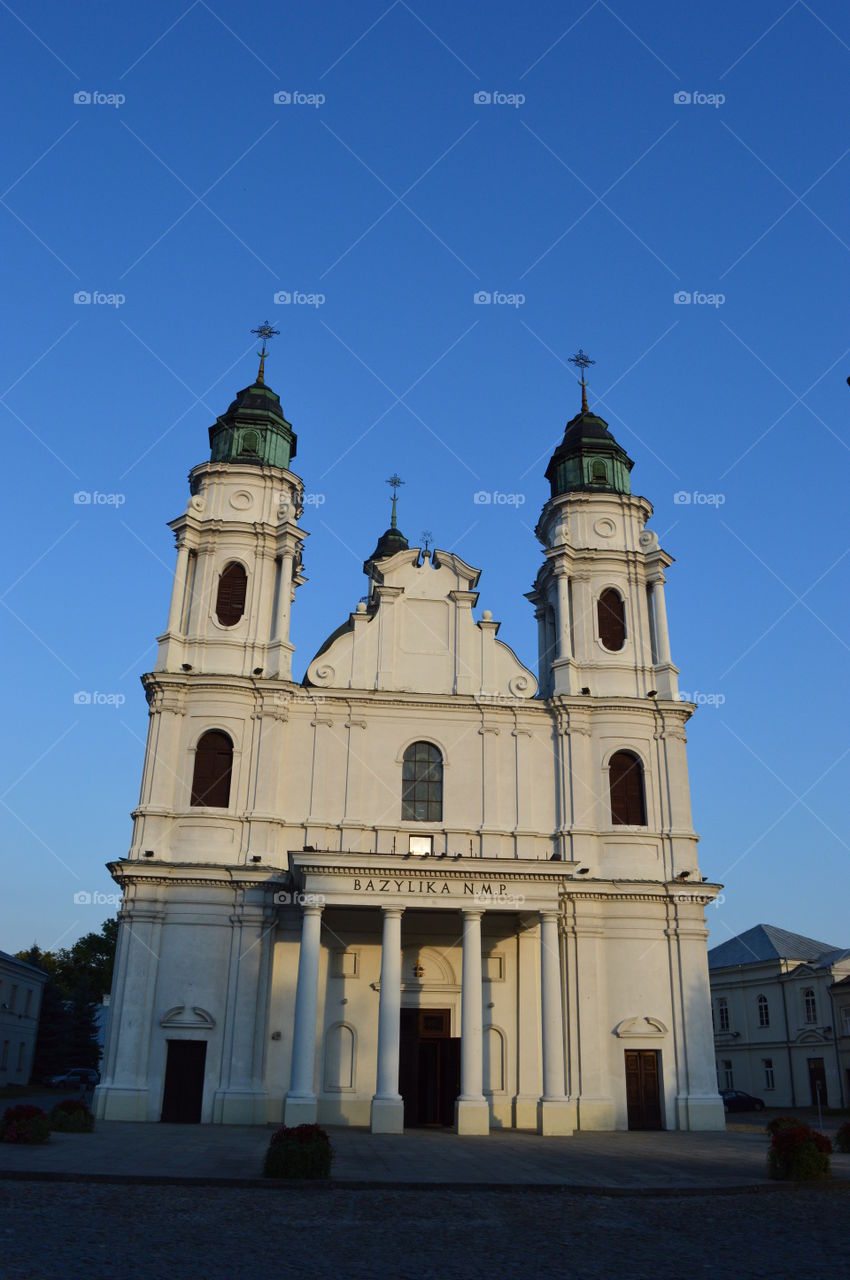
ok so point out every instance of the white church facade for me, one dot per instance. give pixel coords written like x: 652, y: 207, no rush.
x: 423, y: 886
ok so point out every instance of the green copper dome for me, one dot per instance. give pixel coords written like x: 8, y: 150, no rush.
x: 588, y: 459
x: 253, y: 429
x: 389, y: 543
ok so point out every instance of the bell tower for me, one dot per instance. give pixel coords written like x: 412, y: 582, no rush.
x: 599, y: 596
x: 238, y: 544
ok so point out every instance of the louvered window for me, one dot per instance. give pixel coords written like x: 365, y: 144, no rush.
x: 213, y: 767
x: 612, y: 619
x: 422, y: 783
x: 625, y: 777
x: 232, y: 588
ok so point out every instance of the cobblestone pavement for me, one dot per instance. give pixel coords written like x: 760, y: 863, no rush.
x: 88, y: 1232
x: 625, y: 1160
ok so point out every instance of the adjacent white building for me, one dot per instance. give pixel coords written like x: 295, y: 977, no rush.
x: 425, y: 885
x: 21, y: 987
x: 781, y: 1009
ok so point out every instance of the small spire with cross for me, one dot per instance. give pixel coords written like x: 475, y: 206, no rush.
x: 266, y: 332
x: 395, y: 481
x: 582, y: 362
x: 427, y: 538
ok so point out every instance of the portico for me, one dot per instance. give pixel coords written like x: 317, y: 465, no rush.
x: 465, y: 891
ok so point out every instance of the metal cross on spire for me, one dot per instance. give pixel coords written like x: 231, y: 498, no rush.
x: 266, y: 332
x: 395, y: 481
x: 427, y: 538
x: 582, y: 362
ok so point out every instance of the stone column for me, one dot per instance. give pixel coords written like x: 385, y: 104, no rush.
x: 178, y: 592
x: 301, y: 1099
x: 565, y: 644
x: 659, y: 610
x: 553, y: 1111
x: 472, y: 1112
x: 387, y: 1104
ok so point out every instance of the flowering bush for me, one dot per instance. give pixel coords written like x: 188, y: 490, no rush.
x: 71, y: 1115
x: 24, y: 1124
x: 301, y: 1151
x: 782, y: 1122
x: 842, y: 1138
x: 797, y: 1152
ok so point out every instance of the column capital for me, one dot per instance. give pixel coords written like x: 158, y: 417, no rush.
x: 312, y: 910
x: 550, y: 913
x: 473, y: 911
x: 393, y: 910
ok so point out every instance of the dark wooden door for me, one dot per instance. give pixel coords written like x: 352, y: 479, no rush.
x: 184, y: 1081
x: 817, y: 1080
x: 643, y: 1088
x: 429, y: 1068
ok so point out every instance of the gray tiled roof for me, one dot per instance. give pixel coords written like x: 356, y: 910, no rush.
x: 4, y: 955
x: 766, y: 942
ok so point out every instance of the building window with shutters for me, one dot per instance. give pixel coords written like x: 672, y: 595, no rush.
x: 769, y: 1082
x: 611, y: 616
x: 625, y: 781
x: 213, y: 767
x: 725, y: 1074
x: 232, y: 589
x: 723, y: 1015
x: 764, y: 1012
x: 845, y: 1021
x: 810, y: 1005
x: 422, y: 783
x: 22, y: 1050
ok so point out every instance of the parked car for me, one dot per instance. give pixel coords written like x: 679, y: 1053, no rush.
x: 75, y: 1078
x: 737, y: 1100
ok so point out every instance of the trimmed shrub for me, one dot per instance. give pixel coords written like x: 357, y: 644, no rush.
x: 781, y: 1122
x: 798, y: 1153
x: 842, y: 1138
x: 303, y: 1151
x: 71, y: 1115
x: 24, y: 1124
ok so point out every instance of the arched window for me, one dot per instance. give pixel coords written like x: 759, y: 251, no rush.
x: 612, y: 619
x: 599, y: 472
x: 250, y: 443
x: 230, y: 601
x: 811, y: 1005
x: 422, y: 783
x: 764, y: 1012
x: 213, y: 766
x: 625, y: 778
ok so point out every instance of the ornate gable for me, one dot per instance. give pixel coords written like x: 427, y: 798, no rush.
x: 416, y: 634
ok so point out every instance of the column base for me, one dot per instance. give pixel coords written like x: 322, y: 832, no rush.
x: 700, y: 1113
x: 111, y: 1102
x: 240, y: 1106
x: 387, y: 1115
x: 472, y: 1116
x: 299, y: 1111
x: 556, y: 1117
x: 525, y: 1112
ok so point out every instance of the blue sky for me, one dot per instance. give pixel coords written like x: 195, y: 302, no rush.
x: 587, y: 198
